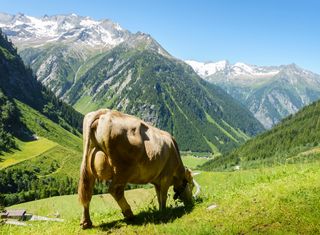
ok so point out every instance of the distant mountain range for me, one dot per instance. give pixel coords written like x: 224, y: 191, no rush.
x: 27, y: 30
x: 92, y: 64
x: 78, y: 31
x: 269, y: 92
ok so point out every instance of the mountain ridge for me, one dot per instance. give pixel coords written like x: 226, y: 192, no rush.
x: 270, y: 92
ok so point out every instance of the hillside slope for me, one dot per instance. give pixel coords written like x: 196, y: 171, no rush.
x: 295, y: 139
x: 18, y: 83
x: 45, y: 164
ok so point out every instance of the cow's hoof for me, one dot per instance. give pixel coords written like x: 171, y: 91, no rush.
x: 86, y: 224
x: 128, y: 215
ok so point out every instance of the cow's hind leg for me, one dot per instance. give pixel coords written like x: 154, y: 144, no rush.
x: 117, y: 191
x: 85, y: 191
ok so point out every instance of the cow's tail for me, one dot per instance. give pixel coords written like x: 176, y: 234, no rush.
x: 86, y: 181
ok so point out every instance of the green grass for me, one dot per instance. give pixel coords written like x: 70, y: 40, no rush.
x: 26, y: 151
x: 214, y: 149
x: 85, y: 105
x: 193, y: 162
x: 282, y: 144
x: 279, y: 200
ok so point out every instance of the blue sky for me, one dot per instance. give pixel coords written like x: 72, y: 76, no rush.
x: 265, y: 32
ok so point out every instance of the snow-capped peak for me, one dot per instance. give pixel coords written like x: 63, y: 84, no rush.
x: 28, y: 30
x: 237, y: 70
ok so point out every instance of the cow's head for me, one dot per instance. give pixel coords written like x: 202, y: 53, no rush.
x: 184, y: 191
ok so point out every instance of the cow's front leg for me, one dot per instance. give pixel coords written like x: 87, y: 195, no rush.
x: 117, y: 191
x: 162, y: 194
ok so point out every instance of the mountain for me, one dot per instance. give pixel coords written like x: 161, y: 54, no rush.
x: 271, y: 93
x: 133, y: 74
x: 295, y: 139
x: 56, y: 47
x: 165, y: 92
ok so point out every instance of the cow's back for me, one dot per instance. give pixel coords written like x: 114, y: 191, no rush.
x: 141, y: 151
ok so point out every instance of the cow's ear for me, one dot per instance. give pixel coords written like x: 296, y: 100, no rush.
x: 188, y: 175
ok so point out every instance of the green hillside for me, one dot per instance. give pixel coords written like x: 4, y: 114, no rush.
x: 32, y: 119
x: 17, y: 83
x: 46, y: 166
x: 295, y: 139
x: 279, y: 200
x: 40, y: 140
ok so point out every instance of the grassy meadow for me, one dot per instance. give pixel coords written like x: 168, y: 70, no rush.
x: 279, y: 200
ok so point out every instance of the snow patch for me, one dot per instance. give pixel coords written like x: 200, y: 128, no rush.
x: 207, y: 69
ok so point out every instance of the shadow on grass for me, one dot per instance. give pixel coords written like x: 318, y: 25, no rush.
x: 152, y: 215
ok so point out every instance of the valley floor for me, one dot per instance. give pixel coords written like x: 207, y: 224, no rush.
x: 281, y: 200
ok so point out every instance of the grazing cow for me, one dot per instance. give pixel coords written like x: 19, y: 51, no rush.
x: 124, y: 149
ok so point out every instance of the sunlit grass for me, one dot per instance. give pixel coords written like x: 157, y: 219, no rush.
x: 27, y: 150
x: 280, y: 200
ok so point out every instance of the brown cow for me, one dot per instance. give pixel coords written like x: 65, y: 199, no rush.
x: 125, y: 149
